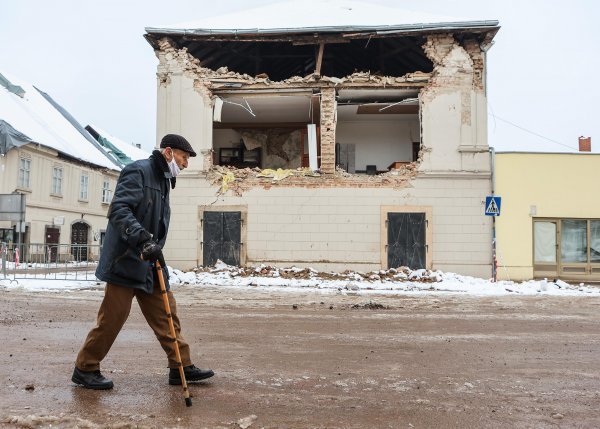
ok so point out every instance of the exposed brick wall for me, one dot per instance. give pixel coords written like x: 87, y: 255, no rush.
x: 453, y: 66
x: 456, y: 68
x: 474, y: 50
x: 328, y: 109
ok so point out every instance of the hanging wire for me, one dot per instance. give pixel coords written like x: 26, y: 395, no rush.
x: 247, y: 107
x: 529, y: 131
x: 405, y: 101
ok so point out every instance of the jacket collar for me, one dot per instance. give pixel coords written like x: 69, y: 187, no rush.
x: 161, y: 163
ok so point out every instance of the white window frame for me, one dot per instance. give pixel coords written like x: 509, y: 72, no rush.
x: 24, y: 178
x: 106, y: 192
x: 57, y: 181
x: 84, y: 182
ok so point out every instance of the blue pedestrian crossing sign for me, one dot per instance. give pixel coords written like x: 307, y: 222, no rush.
x: 492, y: 206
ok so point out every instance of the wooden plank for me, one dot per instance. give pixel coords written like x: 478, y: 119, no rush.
x: 319, y: 59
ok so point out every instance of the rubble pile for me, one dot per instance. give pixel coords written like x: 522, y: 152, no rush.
x: 239, y: 180
x: 225, y: 77
x: 269, y: 271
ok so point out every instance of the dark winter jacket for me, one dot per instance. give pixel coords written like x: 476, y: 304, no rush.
x: 140, y: 203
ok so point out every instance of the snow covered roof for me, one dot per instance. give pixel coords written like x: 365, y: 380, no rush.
x: 322, y: 16
x: 123, y: 152
x: 41, y: 120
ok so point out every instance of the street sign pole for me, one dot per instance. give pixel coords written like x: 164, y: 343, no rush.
x: 492, y: 208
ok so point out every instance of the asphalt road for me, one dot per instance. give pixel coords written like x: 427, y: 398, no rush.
x: 443, y: 361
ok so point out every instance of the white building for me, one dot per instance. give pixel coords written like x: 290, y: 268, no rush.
x: 66, y: 176
x: 396, y: 99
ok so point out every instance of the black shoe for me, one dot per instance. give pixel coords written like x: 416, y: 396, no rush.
x: 91, y: 379
x: 191, y: 374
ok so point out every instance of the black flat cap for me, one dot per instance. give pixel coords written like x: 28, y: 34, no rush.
x: 175, y: 141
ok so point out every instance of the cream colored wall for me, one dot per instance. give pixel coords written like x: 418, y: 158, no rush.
x: 181, y: 109
x: 42, y: 207
x: 558, y: 185
x: 451, y: 142
x: 338, y: 228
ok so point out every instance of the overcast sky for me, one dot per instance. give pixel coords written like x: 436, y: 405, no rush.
x: 91, y: 57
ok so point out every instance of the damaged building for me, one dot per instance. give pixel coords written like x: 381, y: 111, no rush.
x: 354, y: 139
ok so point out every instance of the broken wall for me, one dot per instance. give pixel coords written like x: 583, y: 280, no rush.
x: 335, y: 221
x: 280, y: 148
x: 328, y: 124
x: 184, y: 105
x: 454, y: 108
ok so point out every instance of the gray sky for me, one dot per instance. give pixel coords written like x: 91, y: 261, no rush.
x: 91, y: 57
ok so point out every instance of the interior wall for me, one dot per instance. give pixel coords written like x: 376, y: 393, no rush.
x: 379, y: 142
x: 279, y: 148
x: 223, y: 138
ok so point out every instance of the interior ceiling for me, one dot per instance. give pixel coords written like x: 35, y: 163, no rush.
x: 391, y: 56
x: 276, y: 108
x: 352, y: 103
x: 375, y: 95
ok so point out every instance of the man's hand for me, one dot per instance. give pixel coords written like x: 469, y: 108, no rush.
x: 152, y: 252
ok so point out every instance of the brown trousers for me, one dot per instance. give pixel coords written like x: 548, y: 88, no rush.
x: 112, y: 315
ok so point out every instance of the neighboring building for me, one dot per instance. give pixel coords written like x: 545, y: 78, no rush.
x: 119, y: 151
x: 549, y: 225
x: 66, y: 176
x: 389, y: 105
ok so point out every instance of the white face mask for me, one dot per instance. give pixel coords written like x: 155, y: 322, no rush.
x: 175, y: 170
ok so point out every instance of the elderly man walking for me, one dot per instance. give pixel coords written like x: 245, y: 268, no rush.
x: 136, y: 233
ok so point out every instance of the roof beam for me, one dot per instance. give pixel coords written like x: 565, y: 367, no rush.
x: 319, y: 59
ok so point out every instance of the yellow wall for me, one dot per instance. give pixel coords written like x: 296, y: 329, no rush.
x: 558, y: 185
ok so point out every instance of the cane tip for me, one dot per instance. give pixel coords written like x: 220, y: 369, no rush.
x: 188, y: 402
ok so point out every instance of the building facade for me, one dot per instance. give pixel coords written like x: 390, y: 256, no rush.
x: 549, y: 226
x: 391, y: 117
x: 66, y: 201
x: 65, y: 175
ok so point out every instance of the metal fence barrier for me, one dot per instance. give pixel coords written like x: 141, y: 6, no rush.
x: 49, y: 261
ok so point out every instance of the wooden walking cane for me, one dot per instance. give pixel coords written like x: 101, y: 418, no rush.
x: 163, y: 291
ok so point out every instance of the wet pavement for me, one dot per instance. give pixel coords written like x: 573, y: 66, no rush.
x: 334, y: 361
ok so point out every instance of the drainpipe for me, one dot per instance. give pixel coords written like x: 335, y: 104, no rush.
x: 493, y: 185
x: 484, y: 49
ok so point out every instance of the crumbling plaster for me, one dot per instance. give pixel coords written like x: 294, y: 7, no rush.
x: 335, y: 219
x: 452, y: 102
x: 454, y: 108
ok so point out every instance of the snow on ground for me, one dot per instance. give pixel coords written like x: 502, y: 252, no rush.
x: 400, y: 281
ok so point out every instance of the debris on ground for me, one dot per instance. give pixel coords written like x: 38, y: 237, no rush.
x: 246, y: 422
x: 369, y: 306
x: 392, y: 274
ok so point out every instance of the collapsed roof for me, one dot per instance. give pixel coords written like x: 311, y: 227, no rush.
x: 337, y: 38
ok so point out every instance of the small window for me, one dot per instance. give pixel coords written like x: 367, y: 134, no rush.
x: 57, y: 181
x: 83, y: 186
x: 106, y: 192
x: 24, y: 180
